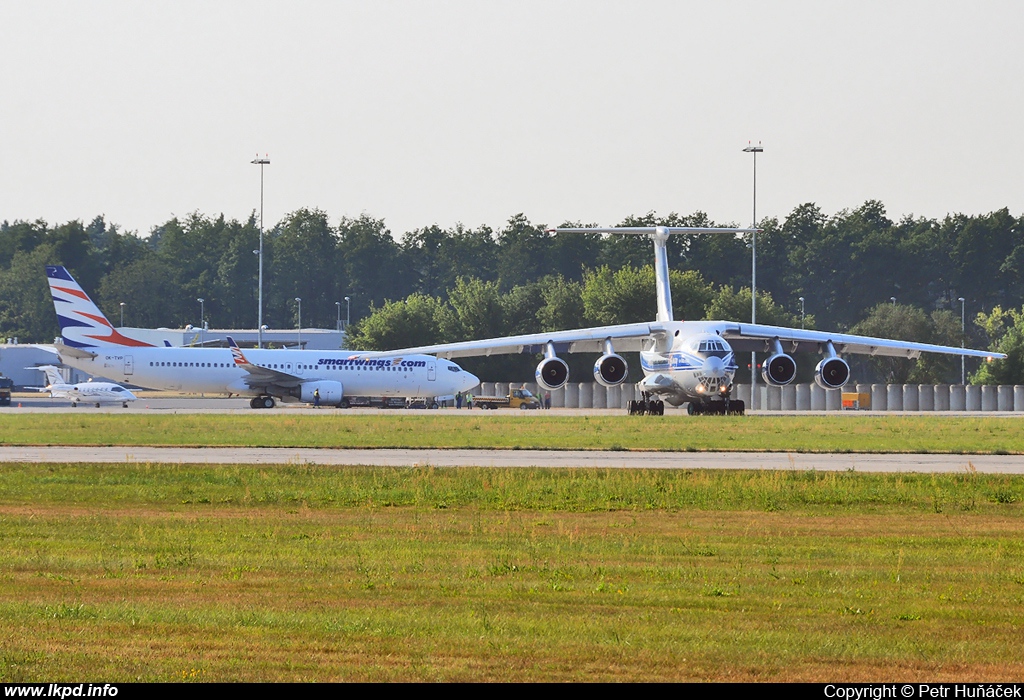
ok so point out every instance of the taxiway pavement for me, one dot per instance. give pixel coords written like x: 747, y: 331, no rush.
x: 555, y: 459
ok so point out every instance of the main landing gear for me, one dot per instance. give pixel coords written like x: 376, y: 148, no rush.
x: 716, y: 408
x: 646, y: 406
x: 262, y: 402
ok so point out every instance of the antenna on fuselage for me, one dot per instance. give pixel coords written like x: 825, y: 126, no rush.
x: 659, y: 235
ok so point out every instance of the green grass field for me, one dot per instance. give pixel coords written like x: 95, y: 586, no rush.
x: 945, y: 434
x: 155, y: 572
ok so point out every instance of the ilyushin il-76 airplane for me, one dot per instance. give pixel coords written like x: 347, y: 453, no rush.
x: 90, y: 343
x: 84, y: 392
x: 691, y: 362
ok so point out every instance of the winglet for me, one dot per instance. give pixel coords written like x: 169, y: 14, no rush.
x: 236, y: 353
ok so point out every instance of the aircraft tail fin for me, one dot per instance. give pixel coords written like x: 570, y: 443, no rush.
x: 82, y: 324
x: 659, y: 235
x: 236, y: 353
x: 52, y: 373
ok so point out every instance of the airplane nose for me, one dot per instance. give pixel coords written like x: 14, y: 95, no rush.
x: 469, y: 380
x: 714, y: 367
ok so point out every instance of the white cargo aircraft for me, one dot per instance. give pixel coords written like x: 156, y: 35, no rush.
x: 83, y: 392
x: 90, y: 343
x: 690, y: 362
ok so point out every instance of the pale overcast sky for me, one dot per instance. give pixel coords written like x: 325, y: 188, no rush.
x: 443, y: 112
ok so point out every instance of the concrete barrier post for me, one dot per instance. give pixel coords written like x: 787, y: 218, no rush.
x: 833, y: 399
x: 557, y: 398
x: 741, y: 392
x: 614, y: 396
x: 925, y: 397
x: 803, y: 397
x: 817, y: 398
x: 572, y: 395
x: 879, y: 398
x: 942, y: 397
x: 600, y: 395
x: 1004, y: 400
x: 957, y: 397
x: 894, y: 397
x: 789, y: 398
x: 910, y: 398
x: 973, y: 397
x: 1018, y: 397
x: 989, y: 397
x: 586, y: 395
x: 773, y: 401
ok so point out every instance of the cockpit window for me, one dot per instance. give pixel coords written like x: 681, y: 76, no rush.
x: 713, y: 348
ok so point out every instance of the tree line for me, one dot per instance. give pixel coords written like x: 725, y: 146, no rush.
x: 856, y: 270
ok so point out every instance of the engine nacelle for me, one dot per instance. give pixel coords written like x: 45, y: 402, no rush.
x: 779, y: 369
x: 610, y: 370
x: 552, y: 373
x: 832, y: 373
x: 331, y: 392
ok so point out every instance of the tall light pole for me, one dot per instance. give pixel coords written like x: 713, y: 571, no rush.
x: 348, y: 313
x: 801, y: 313
x: 122, y: 314
x: 893, y: 300
x: 299, y: 301
x: 963, y: 338
x: 753, y: 276
x: 338, y: 304
x: 202, y: 321
x: 261, y: 162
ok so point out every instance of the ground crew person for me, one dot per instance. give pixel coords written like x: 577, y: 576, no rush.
x: 316, y: 398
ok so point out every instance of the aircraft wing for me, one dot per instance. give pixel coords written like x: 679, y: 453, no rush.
x: 749, y: 337
x: 631, y: 337
x: 258, y: 377
x: 628, y: 338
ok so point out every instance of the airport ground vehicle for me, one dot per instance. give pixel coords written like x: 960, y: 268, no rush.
x: 6, y: 387
x: 517, y: 398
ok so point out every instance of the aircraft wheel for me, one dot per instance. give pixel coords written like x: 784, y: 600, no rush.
x: 97, y: 404
x: 268, y: 402
x: 253, y: 403
x: 124, y: 405
x: 74, y: 405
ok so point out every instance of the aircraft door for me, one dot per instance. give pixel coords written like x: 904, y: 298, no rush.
x: 129, y: 365
x: 431, y: 371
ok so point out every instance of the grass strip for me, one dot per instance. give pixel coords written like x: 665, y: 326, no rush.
x: 866, y: 434
x: 190, y: 573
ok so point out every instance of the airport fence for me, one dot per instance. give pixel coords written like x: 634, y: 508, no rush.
x: 801, y: 397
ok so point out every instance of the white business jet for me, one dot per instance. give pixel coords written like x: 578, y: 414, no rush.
x: 83, y: 392
x: 691, y: 362
x: 90, y: 343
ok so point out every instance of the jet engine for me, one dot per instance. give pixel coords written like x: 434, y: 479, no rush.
x: 779, y: 369
x: 552, y: 373
x: 832, y: 373
x: 331, y: 392
x: 610, y: 370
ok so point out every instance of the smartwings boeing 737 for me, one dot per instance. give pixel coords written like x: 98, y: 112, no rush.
x: 690, y: 362
x: 91, y: 344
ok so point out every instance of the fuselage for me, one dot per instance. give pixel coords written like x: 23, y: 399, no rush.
x: 92, y: 392
x: 695, y: 366
x: 213, y: 370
